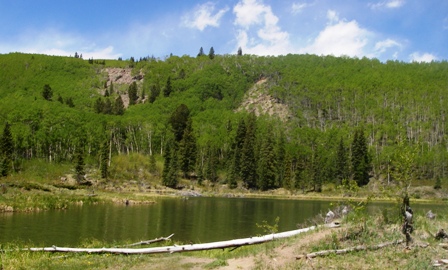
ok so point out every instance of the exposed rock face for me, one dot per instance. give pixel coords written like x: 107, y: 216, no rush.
x: 122, y: 76
x: 257, y: 101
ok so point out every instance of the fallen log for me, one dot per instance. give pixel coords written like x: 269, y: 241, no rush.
x: 184, y: 248
x: 347, y: 250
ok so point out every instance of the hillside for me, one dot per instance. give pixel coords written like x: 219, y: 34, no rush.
x: 306, y: 106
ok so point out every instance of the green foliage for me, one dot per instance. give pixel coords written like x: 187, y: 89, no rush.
x: 267, y: 228
x: 327, y: 97
x: 178, y: 120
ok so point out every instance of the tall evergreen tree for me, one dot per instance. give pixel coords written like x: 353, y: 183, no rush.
x: 7, y: 150
x: 98, y: 106
x: 201, y: 52
x: 188, y: 151
x: 168, y: 89
x: 288, y: 176
x: 281, y: 156
x: 267, y: 165
x: 132, y: 93
x: 300, y: 174
x: 248, y: 161
x: 237, y: 148
x: 232, y: 178
x: 169, y: 175
x: 360, y: 159
x: 111, y: 88
x: 47, y: 92
x: 211, y: 53
x: 107, y: 107
x: 178, y: 121
x: 79, y: 166
x: 154, y: 93
x: 239, y: 52
x: 118, y: 108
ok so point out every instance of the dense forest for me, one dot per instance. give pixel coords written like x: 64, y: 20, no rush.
x: 342, y: 119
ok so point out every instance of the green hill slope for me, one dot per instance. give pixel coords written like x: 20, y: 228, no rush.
x: 312, y: 104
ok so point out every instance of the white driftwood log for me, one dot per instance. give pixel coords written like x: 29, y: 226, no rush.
x: 347, y: 250
x: 183, y: 248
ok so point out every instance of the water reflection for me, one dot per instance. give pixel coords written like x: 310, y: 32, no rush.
x: 194, y: 220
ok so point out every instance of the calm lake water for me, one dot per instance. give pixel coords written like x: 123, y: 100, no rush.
x: 198, y: 220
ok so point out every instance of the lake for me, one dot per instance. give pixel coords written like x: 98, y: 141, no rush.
x: 197, y: 220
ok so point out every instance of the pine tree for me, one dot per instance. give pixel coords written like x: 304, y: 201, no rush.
x: 167, y: 91
x: 79, y: 167
x: 281, y: 156
x: 169, y: 175
x: 211, y: 54
x: 99, y: 105
x: 201, y: 52
x: 7, y: 150
x: 178, y: 121
x: 248, y: 162
x: 232, y: 180
x: 132, y: 93
x: 111, y: 88
x: 288, y: 177
x: 188, y: 150
x: 60, y: 99
x: 47, y: 92
x: 239, y: 52
x: 299, y: 176
x: 267, y: 164
x: 118, y: 108
x: 154, y: 93
x: 360, y: 159
x: 107, y: 107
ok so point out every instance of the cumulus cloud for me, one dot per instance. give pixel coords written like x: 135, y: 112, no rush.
x: 425, y: 57
x: 204, y: 16
x: 382, y: 46
x: 339, y: 38
x: 387, y: 4
x: 258, y: 31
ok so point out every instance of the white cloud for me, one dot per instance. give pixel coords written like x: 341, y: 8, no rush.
x: 339, y: 38
x: 332, y: 16
x: 259, y: 32
x: 387, y: 4
x: 203, y: 16
x: 382, y: 46
x: 425, y: 57
x: 297, y: 8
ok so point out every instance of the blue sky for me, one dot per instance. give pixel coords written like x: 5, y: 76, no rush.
x: 405, y: 30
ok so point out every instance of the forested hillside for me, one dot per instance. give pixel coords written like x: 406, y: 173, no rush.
x: 341, y: 118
